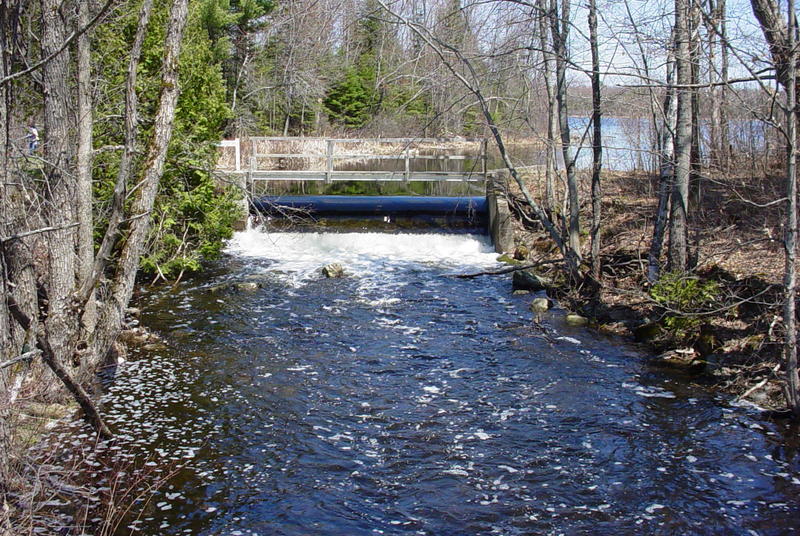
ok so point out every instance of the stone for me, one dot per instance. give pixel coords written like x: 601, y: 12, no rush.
x: 576, y: 321
x: 247, y: 286
x: 333, y: 270
x: 521, y: 253
x: 521, y: 292
x: 525, y: 280
x: 681, y: 358
x: 540, y: 305
x: 507, y: 259
x: 647, y: 331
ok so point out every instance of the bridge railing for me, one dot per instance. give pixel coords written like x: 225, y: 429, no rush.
x: 317, y: 159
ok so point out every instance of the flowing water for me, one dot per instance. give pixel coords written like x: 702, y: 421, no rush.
x: 401, y: 400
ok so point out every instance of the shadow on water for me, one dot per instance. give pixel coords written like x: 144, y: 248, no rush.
x: 399, y: 400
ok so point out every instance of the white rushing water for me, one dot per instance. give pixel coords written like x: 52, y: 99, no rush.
x: 361, y: 253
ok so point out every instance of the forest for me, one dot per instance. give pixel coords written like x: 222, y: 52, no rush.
x: 111, y: 113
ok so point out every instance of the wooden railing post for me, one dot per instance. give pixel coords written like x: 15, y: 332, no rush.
x: 484, y: 150
x: 329, y: 167
x: 238, y: 149
x: 250, y: 182
x: 407, y: 161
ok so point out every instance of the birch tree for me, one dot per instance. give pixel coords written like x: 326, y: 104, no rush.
x: 781, y: 36
x: 597, y: 141
x: 679, y: 200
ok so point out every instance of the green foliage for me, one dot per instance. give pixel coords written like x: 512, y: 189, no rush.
x: 687, y: 295
x: 251, y: 13
x: 191, y: 222
x: 191, y: 217
x: 351, y: 101
x: 216, y: 18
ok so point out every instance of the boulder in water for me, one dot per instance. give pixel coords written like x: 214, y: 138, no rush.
x: 247, y: 286
x: 526, y: 280
x: 682, y: 358
x: 576, y: 321
x: 540, y: 305
x: 333, y: 270
x: 508, y: 259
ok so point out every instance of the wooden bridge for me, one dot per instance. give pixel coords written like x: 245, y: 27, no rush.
x: 269, y: 159
x: 326, y: 161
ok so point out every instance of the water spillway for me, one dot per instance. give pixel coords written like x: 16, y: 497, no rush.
x: 402, y: 401
x: 454, y: 212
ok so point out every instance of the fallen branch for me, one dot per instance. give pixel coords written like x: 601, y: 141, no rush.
x: 27, y: 356
x: 36, y: 231
x: 506, y: 270
x: 759, y: 385
x: 90, y: 413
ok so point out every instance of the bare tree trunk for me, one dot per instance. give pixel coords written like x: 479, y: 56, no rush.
x: 559, y: 28
x: 5, y: 147
x: 13, y: 219
x: 792, y: 389
x: 597, y: 142
x: 113, y: 311
x: 718, y: 78
x: 60, y: 183
x: 126, y: 162
x: 6, y: 342
x: 715, y: 152
x: 666, y: 170
x: 552, y: 110
x: 694, y: 55
x: 724, y: 128
x: 678, y: 257
x: 695, y: 177
x: 84, y: 172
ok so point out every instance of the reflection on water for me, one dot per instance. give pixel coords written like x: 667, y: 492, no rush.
x: 399, y: 400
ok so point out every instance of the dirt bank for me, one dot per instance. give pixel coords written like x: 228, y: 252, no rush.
x: 725, y: 319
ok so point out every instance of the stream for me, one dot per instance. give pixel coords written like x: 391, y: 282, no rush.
x: 402, y: 401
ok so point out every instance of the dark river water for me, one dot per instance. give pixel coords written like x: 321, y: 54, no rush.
x: 399, y: 400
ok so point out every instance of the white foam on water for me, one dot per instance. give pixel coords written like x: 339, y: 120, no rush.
x: 361, y: 253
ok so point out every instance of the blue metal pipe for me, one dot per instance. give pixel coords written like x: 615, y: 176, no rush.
x: 341, y: 205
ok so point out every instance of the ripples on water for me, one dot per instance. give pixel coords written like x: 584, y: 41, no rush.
x: 402, y: 401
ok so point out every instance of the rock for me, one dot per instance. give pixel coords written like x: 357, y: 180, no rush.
x: 247, y: 286
x: 576, y: 321
x: 134, y: 337
x: 333, y: 270
x: 707, y: 342
x: 613, y: 328
x: 521, y: 253
x: 525, y: 280
x: 154, y: 347
x: 540, y: 305
x: 507, y: 259
x: 647, y: 331
x: 521, y: 292
x: 680, y: 358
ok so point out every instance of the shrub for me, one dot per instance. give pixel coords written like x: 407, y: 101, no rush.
x: 683, y: 296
